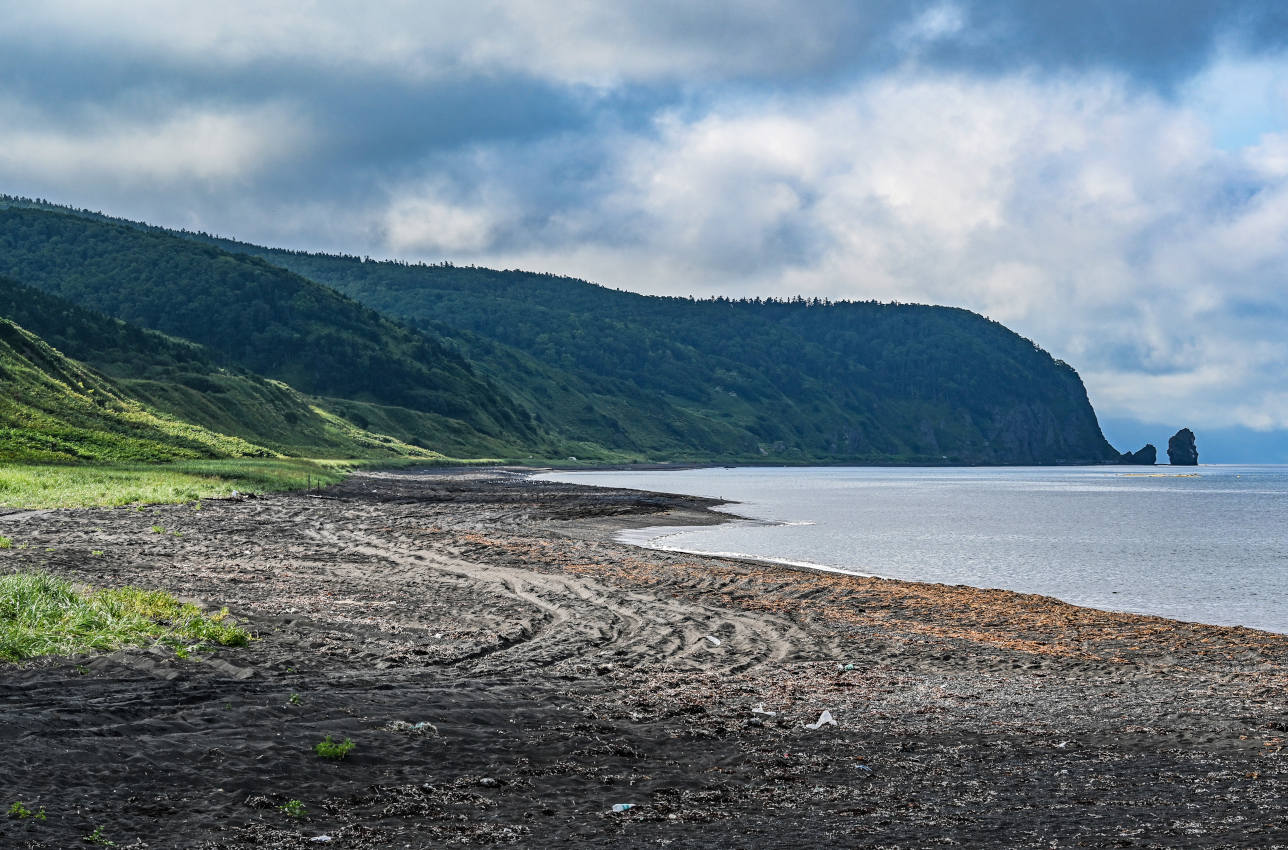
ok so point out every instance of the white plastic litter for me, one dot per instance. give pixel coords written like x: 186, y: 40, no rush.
x: 759, y: 708
x: 824, y: 719
x: 715, y: 641
x: 623, y: 807
x: 320, y: 839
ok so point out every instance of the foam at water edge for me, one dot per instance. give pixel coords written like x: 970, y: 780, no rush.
x: 639, y: 537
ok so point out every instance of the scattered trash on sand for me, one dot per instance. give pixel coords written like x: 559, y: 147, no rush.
x: 845, y: 667
x: 320, y: 839
x: 715, y: 641
x: 824, y: 719
x: 1063, y: 744
x: 623, y: 807
x: 759, y: 708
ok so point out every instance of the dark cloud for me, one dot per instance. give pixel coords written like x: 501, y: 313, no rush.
x: 1157, y: 42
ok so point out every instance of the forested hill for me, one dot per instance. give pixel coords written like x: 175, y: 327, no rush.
x: 796, y: 378
x: 616, y: 374
x: 252, y: 315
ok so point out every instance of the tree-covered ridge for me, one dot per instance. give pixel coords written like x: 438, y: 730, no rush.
x: 844, y: 380
x: 250, y: 314
x: 54, y: 409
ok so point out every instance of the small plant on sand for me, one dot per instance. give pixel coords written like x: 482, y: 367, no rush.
x: 293, y: 808
x: 20, y: 811
x: 158, y: 529
x: 5, y: 542
x: 295, y: 699
x: 329, y: 749
x: 97, y: 553
x: 97, y: 837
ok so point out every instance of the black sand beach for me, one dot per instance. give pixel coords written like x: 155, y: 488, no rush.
x: 508, y: 673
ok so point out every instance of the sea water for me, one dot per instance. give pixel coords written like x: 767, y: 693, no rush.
x: 1207, y: 544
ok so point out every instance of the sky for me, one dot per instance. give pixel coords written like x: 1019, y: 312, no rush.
x: 1108, y: 177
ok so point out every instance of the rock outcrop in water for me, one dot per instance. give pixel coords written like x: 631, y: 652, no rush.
x: 1147, y: 456
x: 1181, y: 450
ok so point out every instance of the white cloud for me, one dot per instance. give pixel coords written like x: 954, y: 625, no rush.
x: 1093, y: 218
x: 187, y: 144
x: 422, y: 223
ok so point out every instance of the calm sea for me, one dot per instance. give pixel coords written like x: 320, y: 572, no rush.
x: 1207, y: 544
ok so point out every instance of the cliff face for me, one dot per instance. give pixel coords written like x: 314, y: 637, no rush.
x: 1042, y: 432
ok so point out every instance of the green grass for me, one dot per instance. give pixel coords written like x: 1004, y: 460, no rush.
x: 294, y: 808
x: 41, y: 614
x: 19, y: 811
x: 330, y: 749
x: 97, y: 837
x: 78, y: 486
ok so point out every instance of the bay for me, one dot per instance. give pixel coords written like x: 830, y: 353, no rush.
x: 1206, y: 544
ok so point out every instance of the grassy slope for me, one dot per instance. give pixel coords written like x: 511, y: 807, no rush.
x: 262, y: 318
x: 185, y: 380
x: 54, y: 409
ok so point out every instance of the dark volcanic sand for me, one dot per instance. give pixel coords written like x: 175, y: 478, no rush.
x: 563, y: 673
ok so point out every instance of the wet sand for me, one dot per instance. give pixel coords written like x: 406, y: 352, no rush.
x: 507, y: 673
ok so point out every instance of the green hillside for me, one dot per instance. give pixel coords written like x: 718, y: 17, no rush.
x: 183, y: 379
x: 553, y: 366
x: 54, y: 409
x: 264, y: 319
x: 676, y: 377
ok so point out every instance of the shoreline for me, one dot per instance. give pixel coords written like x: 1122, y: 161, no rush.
x: 554, y: 672
x: 715, y: 515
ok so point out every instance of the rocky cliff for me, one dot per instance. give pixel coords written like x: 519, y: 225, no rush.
x: 1181, y: 449
x: 1147, y: 456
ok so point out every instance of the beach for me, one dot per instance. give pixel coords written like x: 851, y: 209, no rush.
x: 508, y: 673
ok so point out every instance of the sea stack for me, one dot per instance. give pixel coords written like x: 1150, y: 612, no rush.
x: 1147, y: 456
x: 1181, y: 450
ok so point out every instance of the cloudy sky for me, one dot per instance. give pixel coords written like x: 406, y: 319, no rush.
x: 1107, y: 177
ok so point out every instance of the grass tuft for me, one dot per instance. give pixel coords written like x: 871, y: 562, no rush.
x: 330, y: 749
x: 41, y: 614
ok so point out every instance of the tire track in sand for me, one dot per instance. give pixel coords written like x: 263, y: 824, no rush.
x: 579, y: 620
